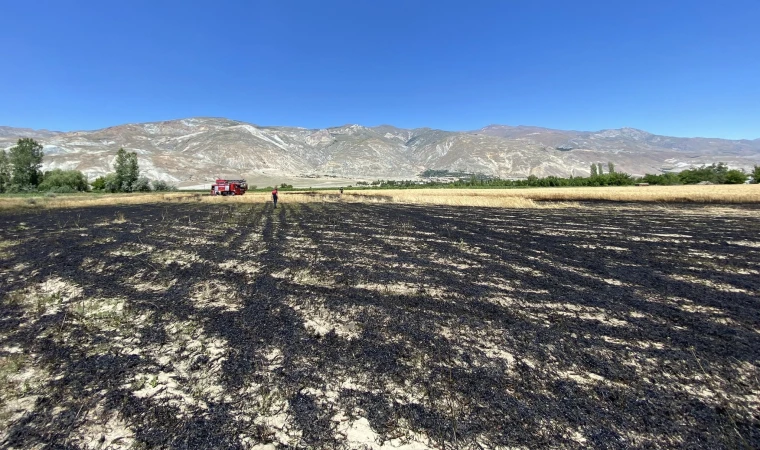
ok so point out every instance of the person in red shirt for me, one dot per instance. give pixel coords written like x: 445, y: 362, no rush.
x: 274, y: 197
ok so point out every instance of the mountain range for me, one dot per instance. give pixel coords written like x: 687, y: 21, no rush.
x: 194, y: 151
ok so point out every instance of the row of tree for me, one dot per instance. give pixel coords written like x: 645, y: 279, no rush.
x: 715, y: 173
x: 126, y: 177
x: 20, y: 172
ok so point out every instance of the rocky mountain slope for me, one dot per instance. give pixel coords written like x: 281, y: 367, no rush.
x: 195, y: 151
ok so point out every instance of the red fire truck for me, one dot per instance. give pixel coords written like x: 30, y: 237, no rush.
x: 229, y: 187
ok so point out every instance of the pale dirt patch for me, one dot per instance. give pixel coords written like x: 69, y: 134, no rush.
x: 704, y: 254
x: 6, y: 247
x: 104, y: 240
x: 152, y: 287
x: 106, y: 430
x: 527, y: 270
x: 132, y: 249
x: 602, y: 247
x: 188, y: 385
x: 359, y: 434
x: 671, y: 235
x: 307, y: 277
x: 20, y: 377
x: 390, y: 288
x: 753, y: 244
x: 496, y: 352
x: 47, y: 297
x: 459, y: 265
x: 250, y: 267
x: 709, y: 283
x: 215, y: 294
x: 57, y: 285
x: 650, y: 344
x: 320, y: 320
x: 180, y: 257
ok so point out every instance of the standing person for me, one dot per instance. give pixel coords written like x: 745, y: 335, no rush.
x: 341, y: 191
x: 274, y: 197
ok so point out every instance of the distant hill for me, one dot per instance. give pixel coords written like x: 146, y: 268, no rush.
x: 10, y: 132
x: 195, y: 150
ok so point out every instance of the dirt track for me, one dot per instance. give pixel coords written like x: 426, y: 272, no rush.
x: 343, y: 325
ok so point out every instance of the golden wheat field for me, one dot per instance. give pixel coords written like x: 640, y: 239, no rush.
x: 504, y: 198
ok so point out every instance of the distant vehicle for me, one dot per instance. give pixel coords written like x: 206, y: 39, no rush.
x: 229, y: 187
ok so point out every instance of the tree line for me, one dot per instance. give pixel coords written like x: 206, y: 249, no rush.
x: 20, y: 172
x: 715, y: 173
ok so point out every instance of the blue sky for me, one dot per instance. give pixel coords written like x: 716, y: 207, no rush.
x: 683, y: 68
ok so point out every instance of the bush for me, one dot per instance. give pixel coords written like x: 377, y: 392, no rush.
x: 62, y: 190
x: 111, y: 183
x: 735, y: 177
x: 99, y: 184
x: 17, y: 189
x: 163, y: 186
x: 63, y: 181
x: 141, y: 185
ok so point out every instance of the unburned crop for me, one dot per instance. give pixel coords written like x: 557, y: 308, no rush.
x: 350, y: 325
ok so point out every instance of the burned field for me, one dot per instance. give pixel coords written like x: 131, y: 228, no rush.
x: 330, y: 325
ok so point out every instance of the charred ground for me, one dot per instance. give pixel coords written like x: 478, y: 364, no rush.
x: 343, y: 325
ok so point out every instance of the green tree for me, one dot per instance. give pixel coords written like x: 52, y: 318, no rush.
x: 5, y: 172
x: 594, y: 171
x: 599, y: 168
x: 735, y: 177
x: 133, y: 170
x: 127, y: 170
x: 610, y: 167
x: 58, y: 180
x: 756, y: 175
x: 26, y: 159
x: 121, y: 167
x: 99, y: 184
x: 714, y: 173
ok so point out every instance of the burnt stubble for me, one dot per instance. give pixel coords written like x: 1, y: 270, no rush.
x: 348, y: 325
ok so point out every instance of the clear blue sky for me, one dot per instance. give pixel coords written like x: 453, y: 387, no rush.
x: 683, y: 68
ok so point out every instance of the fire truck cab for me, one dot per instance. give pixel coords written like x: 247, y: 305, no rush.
x: 229, y: 187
